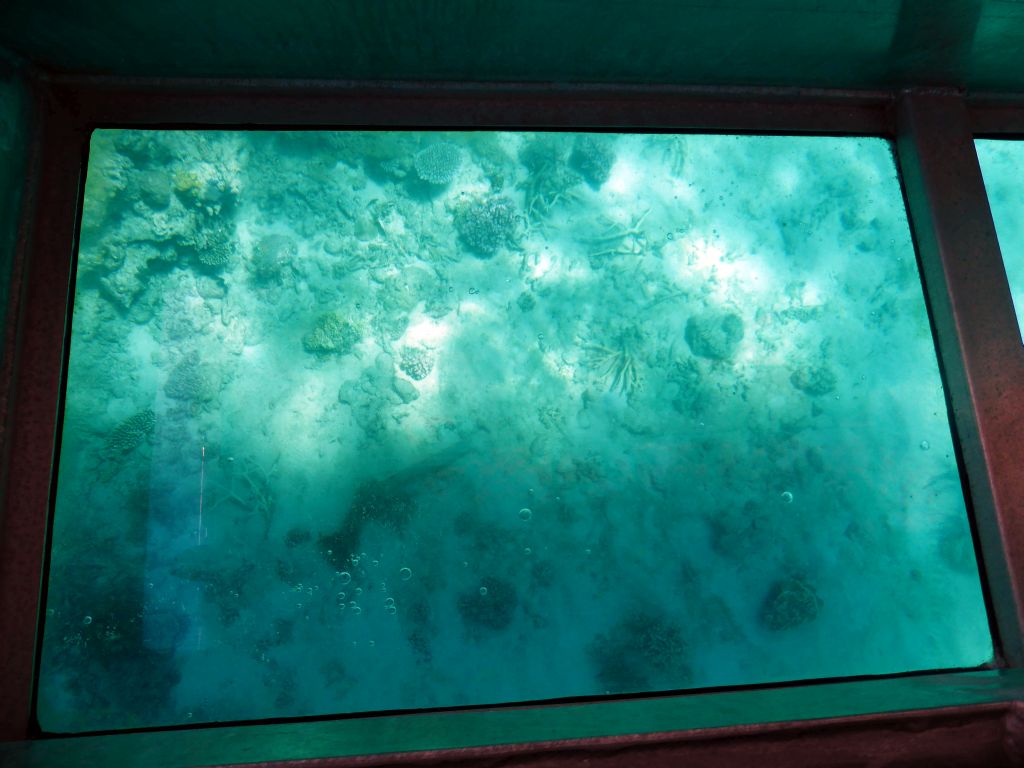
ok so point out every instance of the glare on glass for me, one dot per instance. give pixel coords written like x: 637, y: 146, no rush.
x: 363, y: 421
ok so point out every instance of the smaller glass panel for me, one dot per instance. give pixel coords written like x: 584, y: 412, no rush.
x: 1002, y: 165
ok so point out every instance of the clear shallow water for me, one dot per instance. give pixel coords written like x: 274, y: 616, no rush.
x: 368, y: 421
x: 1002, y: 163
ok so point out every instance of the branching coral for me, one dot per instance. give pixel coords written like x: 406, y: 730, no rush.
x: 248, y: 487
x: 618, y: 364
x: 550, y: 181
x: 619, y: 240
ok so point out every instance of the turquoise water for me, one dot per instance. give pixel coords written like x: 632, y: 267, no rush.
x: 1002, y: 165
x: 364, y: 421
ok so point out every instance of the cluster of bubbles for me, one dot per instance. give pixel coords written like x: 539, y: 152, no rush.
x: 347, y: 601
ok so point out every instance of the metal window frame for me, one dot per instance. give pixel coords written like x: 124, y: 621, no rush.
x: 955, y: 718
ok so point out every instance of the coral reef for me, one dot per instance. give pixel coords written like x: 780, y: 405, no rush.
x: 131, y: 432
x: 379, y: 502
x: 271, y: 256
x: 714, y: 335
x: 641, y: 651
x: 131, y: 264
x: 489, y: 607
x: 375, y: 393
x: 743, y: 533
x: 550, y: 181
x: 153, y: 187
x: 331, y: 334
x: 246, y: 485
x: 416, y: 362
x: 543, y: 153
x: 814, y: 380
x: 790, y: 603
x: 438, y: 163
x: 387, y: 505
x: 618, y: 240
x: 192, y: 381
x: 405, y: 390
x: 214, y: 247
x: 296, y: 537
x: 486, y: 225
x: 593, y: 158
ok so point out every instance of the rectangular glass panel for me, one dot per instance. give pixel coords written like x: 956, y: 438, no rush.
x: 1002, y: 164
x: 363, y: 421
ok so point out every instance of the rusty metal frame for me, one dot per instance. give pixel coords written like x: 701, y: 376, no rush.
x: 966, y: 718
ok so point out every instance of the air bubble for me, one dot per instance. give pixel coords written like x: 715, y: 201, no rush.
x: 345, y: 577
x: 87, y: 620
x: 787, y: 497
x: 390, y: 610
x: 388, y: 602
x: 483, y: 591
x: 525, y: 513
x: 405, y: 574
x: 357, y: 610
x: 925, y: 445
x: 527, y: 551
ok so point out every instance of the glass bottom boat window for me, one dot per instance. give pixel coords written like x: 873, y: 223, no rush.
x: 361, y: 421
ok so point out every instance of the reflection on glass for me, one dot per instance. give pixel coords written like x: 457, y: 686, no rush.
x: 1002, y: 165
x: 363, y: 421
